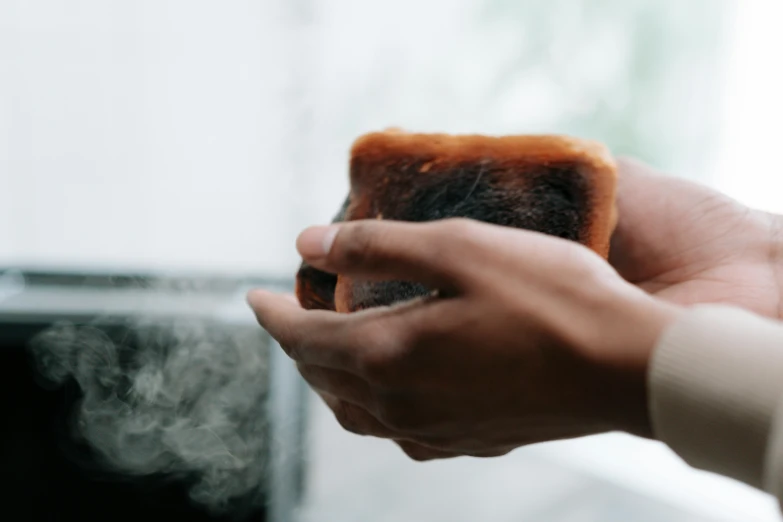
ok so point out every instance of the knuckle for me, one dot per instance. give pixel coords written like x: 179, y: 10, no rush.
x: 380, y: 360
x: 347, y: 416
x: 354, y: 244
x: 592, y: 274
x: 297, y: 348
x: 418, y: 455
x: 291, y: 348
x: 461, y: 227
x: 291, y: 343
x: 312, y: 375
x: 459, y: 236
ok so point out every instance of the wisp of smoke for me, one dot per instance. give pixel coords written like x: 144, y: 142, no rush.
x: 182, y: 397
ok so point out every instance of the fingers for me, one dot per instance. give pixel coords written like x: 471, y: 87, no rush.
x: 453, y: 256
x: 424, y: 452
x: 313, y: 337
x: 364, y: 343
x: 359, y: 421
x: 356, y: 419
x: 435, y: 254
x: 421, y: 453
x: 336, y: 383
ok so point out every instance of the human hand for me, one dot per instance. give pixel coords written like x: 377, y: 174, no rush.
x: 689, y: 244
x: 531, y: 338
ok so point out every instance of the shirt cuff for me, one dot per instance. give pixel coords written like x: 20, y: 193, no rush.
x: 715, y: 385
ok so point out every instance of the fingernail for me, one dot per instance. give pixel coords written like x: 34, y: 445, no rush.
x: 316, y: 242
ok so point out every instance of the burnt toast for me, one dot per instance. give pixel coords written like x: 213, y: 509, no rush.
x: 556, y: 185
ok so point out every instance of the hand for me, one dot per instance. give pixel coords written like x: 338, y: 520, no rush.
x: 531, y: 338
x: 689, y: 244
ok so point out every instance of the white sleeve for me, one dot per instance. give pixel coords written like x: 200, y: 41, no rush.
x: 716, y: 394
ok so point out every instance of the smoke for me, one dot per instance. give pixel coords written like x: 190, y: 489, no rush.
x: 181, y: 397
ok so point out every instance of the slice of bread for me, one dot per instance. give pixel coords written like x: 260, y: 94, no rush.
x: 555, y: 185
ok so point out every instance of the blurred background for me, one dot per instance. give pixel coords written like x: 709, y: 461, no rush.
x: 196, y: 136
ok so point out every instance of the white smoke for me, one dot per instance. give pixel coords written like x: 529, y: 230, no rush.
x: 182, y: 397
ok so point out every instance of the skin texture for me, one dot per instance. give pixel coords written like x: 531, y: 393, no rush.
x: 531, y: 338
x: 689, y: 244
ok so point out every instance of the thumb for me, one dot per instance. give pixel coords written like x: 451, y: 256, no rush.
x: 432, y: 253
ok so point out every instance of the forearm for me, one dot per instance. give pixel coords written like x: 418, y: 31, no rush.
x: 716, y: 394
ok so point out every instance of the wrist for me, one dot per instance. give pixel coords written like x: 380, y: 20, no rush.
x: 715, y: 388
x: 624, y: 362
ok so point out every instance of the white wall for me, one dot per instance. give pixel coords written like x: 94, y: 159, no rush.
x: 197, y: 134
x: 6, y: 238
x: 748, y: 159
x: 146, y: 133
